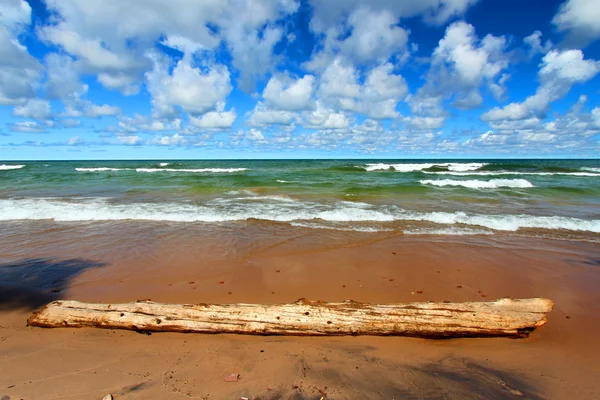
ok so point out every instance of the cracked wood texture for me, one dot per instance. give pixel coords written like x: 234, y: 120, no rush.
x: 504, y: 317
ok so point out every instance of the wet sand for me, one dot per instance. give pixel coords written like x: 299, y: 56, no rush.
x: 270, y: 263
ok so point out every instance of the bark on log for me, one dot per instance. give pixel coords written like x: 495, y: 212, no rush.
x: 505, y: 317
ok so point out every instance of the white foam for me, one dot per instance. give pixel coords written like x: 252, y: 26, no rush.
x: 448, y: 231
x: 5, y: 167
x: 282, y: 181
x: 282, y: 211
x: 591, y: 169
x: 101, y: 169
x: 459, y: 167
x: 475, y: 184
x: 507, y: 222
x: 191, y: 169
x: 494, y: 173
x: 163, y: 164
x: 367, y: 229
x: 186, y: 170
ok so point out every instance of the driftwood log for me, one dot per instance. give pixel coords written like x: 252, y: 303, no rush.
x: 505, y: 317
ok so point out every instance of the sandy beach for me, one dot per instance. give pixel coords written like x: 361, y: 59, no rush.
x: 270, y: 263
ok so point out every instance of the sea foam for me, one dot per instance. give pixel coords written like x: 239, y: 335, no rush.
x: 101, y: 169
x: 5, y: 167
x: 497, y: 173
x: 191, y: 169
x: 476, y: 184
x: 272, y: 210
x: 459, y: 167
x: 186, y: 170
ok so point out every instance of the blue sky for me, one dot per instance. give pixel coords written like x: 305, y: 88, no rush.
x: 87, y: 79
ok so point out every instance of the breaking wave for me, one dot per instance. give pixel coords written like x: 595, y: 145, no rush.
x: 475, y: 184
x: 188, y: 170
x: 5, y: 167
x: 459, y: 167
x: 267, y: 208
x: 494, y: 173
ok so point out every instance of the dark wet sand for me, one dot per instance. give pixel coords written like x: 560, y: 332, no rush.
x: 273, y: 263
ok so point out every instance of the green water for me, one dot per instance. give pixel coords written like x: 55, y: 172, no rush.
x: 515, y: 194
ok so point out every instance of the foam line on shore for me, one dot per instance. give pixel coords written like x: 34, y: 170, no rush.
x: 272, y: 210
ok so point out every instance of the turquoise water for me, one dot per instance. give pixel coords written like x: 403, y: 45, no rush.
x: 416, y: 196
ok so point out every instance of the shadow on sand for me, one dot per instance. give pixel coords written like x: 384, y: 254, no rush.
x: 31, y: 283
x: 450, y: 378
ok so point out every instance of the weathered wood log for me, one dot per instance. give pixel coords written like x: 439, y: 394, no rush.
x: 505, y: 317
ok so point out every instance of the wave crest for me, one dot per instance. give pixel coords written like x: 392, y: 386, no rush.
x: 5, y: 167
x: 273, y: 210
x: 458, y: 167
x: 476, y: 184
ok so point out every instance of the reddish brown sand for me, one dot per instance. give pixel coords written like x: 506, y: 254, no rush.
x: 270, y: 263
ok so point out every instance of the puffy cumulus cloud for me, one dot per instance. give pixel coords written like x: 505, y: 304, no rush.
x: 110, y: 39
x: 329, y: 12
x: 196, y: 90
x: 575, y: 131
x: 114, y: 70
x: 264, y: 116
x: 460, y: 65
x: 287, y: 94
x: 377, y: 98
x: 34, y: 109
x: 20, y: 73
x: 215, y: 120
x: 423, y: 123
x: 62, y: 80
x: 129, y: 140
x: 534, y: 42
x: 139, y: 123
x: 105, y: 110
x: 374, y: 37
x: 579, y: 18
x: 30, y: 126
x: 559, y: 71
x: 324, y: 118
x: 172, y: 140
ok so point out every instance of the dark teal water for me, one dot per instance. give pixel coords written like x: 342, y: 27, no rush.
x: 417, y: 196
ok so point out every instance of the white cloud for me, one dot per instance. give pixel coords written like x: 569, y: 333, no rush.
x: 105, y: 110
x: 74, y: 141
x: 460, y: 65
x: 376, y: 98
x: 327, y: 12
x: 63, y: 79
x: 115, y: 70
x: 424, y: 123
x: 579, y: 18
x: 534, y: 41
x: 324, y: 118
x: 195, y: 90
x: 19, y: 71
x: 285, y: 93
x: 31, y: 126
x: 374, y: 37
x: 559, y: 71
x: 110, y: 39
x: 174, y: 140
x: 130, y: 140
x: 15, y: 14
x: 264, y: 116
x: 215, y: 120
x: 34, y: 109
